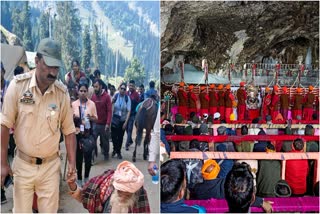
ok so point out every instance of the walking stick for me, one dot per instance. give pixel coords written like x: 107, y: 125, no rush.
x: 65, y: 169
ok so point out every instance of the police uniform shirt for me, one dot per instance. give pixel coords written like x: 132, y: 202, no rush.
x: 37, y: 118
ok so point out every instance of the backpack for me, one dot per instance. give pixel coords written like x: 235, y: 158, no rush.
x: 117, y: 95
x: 193, y: 170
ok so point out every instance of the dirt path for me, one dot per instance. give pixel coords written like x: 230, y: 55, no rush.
x: 69, y: 205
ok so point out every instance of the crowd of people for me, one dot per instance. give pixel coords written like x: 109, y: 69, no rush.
x: 243, y: 183
x: 42, y: 111
x: 101, y: 110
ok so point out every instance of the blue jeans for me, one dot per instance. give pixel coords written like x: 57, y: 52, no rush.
x: 129, y: 130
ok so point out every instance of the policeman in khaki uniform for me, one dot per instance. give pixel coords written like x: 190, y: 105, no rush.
x: 38, y: 106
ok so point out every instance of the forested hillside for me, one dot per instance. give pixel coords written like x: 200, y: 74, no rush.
x: 91, y: 32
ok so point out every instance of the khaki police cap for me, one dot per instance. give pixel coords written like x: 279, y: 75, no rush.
x: 51, y: 52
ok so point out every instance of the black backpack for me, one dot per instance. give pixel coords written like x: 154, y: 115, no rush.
x: 117, y: 95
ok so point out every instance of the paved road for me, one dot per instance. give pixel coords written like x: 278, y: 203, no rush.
x: 69, y: 205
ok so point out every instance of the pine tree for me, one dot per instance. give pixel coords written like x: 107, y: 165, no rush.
x: 17, y: 24
x: 25, y: 19
x: 68, y: 31
x: 97, y: 50
x: 6, y: 12
x: 44, y: 26
x: 135, y: 71
x: 86, y: 48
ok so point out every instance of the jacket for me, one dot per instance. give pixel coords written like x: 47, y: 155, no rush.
x: 296, y: 175
x: 180, y: 207
x: 269, y: 173
x: 214, y: 189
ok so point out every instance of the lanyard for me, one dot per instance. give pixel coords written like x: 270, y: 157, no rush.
x: 83, y: 109
x: 121, y: 101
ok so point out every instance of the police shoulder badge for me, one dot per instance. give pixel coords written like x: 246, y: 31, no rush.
x: 27, y: 98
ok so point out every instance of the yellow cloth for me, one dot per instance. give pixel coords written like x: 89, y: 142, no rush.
x: 127, y: 177
x: 232, y: 117
x: 215, y: 171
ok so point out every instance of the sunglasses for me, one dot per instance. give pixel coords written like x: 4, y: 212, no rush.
x: 123, y: 89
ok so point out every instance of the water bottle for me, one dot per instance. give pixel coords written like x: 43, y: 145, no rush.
x: 87, y: 123
x: 155, y: 178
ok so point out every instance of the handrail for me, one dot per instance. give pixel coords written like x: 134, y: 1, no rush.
x: 246, y: 155
x: 238, y: 139
x: 239, y: 124
x: 281, y: 156
x: 284, y: 205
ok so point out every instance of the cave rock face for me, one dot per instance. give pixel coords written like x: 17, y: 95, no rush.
x: 240, y: 32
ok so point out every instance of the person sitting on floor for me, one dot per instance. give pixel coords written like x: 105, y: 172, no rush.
x: 297, y: 170
x: 222, y: 130
x: 213, y: 187
x: 269, y: 173
x: 245, y: 146
x: 312, y: 146
x: 239, y: 189
x: 173, y: 188
x: 261, y: 145
x: 119, y: 191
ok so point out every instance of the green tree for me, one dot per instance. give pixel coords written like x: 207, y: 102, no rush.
x: 17, y: 24
x: 67, y: 30
x: 44, y: 26
x: 135, y: 71
x: 98, y: 55
x: 86, y: 48
x: 25, y: 18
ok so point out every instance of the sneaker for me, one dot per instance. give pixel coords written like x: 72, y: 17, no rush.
x: 119, y: 156
x: 113, y: 154
x: 3, y: 199
x: 93, y: 161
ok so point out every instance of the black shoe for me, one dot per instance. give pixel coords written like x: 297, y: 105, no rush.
x: 3, y: 199
x: 127, y: 148
x: 113, y: 154
x: 106, y: 157
x: 119, y: 156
